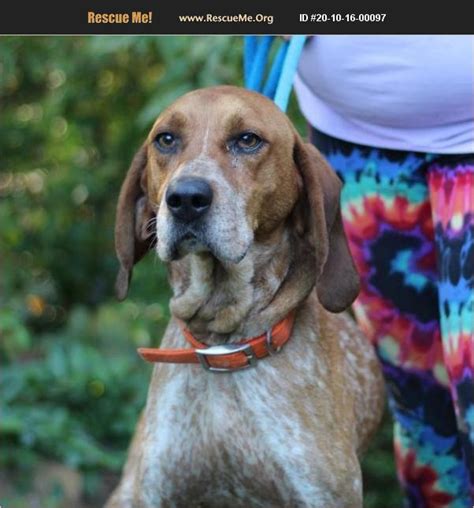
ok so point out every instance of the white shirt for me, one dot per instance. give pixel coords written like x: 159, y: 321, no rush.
x: 409, y: 92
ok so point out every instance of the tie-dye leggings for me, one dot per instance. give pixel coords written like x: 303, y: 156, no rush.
x: 409, y: 218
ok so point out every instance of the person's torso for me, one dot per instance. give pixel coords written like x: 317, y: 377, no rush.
x: 402, y: 92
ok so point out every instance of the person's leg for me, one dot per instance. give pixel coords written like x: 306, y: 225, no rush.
x: 387, y: 218
x: 451, y: 184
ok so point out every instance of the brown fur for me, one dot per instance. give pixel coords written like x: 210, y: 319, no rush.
x: 322, y: 393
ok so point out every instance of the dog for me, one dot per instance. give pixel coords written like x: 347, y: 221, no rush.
x: 263, y: 395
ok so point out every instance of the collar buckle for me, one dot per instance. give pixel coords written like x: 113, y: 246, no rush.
x: 223, y: 350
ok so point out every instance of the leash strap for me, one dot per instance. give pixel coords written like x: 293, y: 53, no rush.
x: 282, y: 72
x: 225, y: 357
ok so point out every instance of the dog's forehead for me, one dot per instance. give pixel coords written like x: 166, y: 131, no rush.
x: 222, y: 105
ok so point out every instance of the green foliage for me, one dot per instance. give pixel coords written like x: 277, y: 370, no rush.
x: 15, y: 335
x: 77, y: 399
x: 381, y: 488
x: 73, y: 112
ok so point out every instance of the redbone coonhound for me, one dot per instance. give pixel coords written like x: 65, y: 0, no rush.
x: 246, y: 216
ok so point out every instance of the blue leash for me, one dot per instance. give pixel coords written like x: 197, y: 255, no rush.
x: 282, y: 72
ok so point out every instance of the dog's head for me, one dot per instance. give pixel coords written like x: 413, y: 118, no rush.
x: 222, y: 168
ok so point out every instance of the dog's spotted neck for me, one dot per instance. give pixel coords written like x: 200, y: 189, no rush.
x: 222, y: 302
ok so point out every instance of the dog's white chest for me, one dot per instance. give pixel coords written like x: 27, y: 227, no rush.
x: 218, y: 438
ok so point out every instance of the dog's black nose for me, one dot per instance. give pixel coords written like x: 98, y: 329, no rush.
x: 189, y: 198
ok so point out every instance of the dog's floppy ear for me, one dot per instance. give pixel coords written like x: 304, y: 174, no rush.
x: 337, y: 278
x: 133, y: 234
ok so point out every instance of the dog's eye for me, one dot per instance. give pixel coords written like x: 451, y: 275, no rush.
x: 248, y: 142
x: 166, y: 142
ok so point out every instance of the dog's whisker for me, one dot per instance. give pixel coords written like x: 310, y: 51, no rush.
x: 150, y: 226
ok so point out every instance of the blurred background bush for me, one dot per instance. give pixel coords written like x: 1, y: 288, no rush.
x: 73, y: 110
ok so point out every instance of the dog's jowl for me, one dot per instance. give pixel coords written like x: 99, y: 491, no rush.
x: 264, y: 393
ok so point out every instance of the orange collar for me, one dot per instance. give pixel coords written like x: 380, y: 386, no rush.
x: 225, y: 357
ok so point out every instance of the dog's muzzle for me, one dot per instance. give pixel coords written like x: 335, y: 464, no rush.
x: 202, y: 213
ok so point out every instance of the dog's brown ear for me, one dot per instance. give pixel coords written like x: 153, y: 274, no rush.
x: 337, y: 278
x: 134, y: 225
